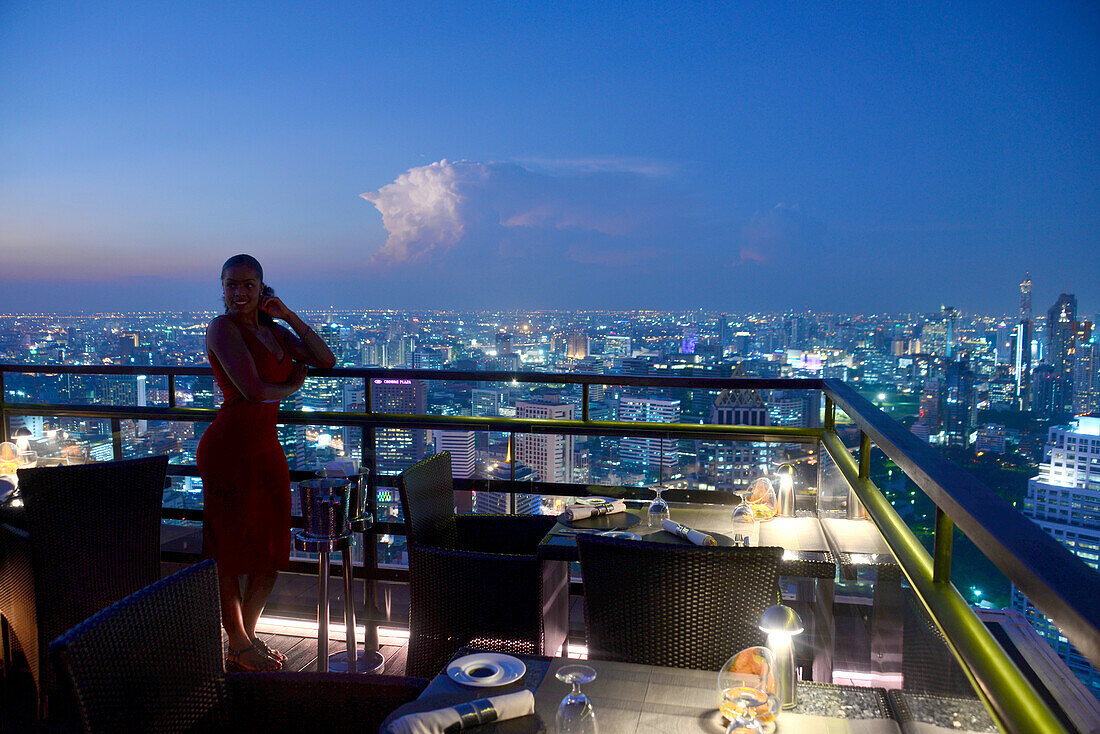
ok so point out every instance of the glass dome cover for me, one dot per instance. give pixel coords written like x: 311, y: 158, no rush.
x: 761, y: 496
x: 749, y: 675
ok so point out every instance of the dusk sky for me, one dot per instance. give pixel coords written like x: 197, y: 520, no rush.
x: 861, y: 157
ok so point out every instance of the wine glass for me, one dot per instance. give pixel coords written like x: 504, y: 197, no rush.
x: 657, y: 511
x: 575, y: 713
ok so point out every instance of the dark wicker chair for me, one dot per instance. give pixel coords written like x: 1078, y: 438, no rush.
x: 92, y: 537
x: 474, y: 580
x: 153, y: 663
x: 676, y: 606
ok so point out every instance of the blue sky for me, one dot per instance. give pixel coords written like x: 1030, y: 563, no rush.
x: 835, y: 156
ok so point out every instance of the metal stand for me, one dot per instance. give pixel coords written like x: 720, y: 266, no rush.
x: 369, y: 659
x: 323, y: 547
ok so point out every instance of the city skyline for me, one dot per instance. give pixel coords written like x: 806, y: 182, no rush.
x: 759, y: 158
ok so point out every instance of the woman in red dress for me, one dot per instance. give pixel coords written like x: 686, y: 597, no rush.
x: 245, y: 479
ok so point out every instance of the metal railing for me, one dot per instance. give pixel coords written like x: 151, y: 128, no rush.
x: 1058, y: 582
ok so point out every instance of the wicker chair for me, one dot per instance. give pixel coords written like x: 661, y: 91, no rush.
x: 92, y: 537
x: 153, y: 663
x: 474, y: 580
x: 676, y: 606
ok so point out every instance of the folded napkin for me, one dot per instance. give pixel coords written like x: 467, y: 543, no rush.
x: 466, y: 715
x: 579, y: 512
x: 685, y: 532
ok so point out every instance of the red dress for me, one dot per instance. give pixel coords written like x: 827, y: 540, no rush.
x: 245, y: 478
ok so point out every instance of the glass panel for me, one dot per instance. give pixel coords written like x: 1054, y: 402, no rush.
x: 181, y: 536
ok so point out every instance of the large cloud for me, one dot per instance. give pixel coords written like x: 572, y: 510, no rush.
x: 467, y: 209
x: 775, y: 232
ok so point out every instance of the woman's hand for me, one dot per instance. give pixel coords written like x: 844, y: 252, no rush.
x: 274, y: 307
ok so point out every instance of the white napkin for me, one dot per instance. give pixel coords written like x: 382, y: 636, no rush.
x: 508, y: 706
x: 579, y: 512
x: 685, y: 532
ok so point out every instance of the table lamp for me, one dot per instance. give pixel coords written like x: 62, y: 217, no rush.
x: 784, y: 506
x: 781, y: 623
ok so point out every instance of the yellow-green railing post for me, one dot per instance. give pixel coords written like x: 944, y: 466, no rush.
x: 941, y: 559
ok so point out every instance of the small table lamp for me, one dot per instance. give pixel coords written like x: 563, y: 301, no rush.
x: 781, y: 624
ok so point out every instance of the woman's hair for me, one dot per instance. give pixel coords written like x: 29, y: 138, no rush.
x: 265, y: 290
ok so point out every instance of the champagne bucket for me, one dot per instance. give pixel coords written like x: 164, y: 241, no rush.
x: 324, y: 504
x: 358, y: 487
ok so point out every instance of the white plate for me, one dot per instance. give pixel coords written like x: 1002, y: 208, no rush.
x: 594, y: 501
x: 486, y: 669
x: 621, y: 534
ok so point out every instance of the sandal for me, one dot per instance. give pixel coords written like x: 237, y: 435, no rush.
x: 270, y: 652
x: 234, y: 664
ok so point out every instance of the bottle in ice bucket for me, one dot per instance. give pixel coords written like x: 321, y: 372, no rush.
x: 324, y: 503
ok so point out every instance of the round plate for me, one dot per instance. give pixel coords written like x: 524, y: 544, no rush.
x: 593, y: 501
x: 617, y: 521
x: 486, y: 669
x: 625, y: 535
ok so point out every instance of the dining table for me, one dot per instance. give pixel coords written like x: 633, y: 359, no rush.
x: 628, y: 698
x: 809, y: 561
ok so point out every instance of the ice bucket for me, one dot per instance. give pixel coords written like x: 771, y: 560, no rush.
x: 357, y: 498
x: 325, y: 505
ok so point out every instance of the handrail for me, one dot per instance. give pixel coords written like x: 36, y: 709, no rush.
x: 1062, y: 585
x: 1010, y: 697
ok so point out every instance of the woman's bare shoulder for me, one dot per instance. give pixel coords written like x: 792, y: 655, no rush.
x: 223, y: 327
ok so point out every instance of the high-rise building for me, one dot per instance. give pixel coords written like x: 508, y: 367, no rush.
x: 461, y: 446
x: 1021, y: 345
x: 500, y: 503
x: 1025, y: 298
x: 660, y: 454
x: 399, y: 448
x: 550, y: 456
x: 504, y: 343
x: 723, y: 334
x: 1061, y: 341
x: 330, y: 335
x: 733, y: 465
x: 1064, y: 500
x: 1086, y: 378
x: 938, y: 335
x: 577, y: 345
x: 424, y: 358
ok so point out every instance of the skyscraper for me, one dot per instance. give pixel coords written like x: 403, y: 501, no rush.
x: 1021, y: 344
x: 732, y: 465
x: 461, y: 446
x: 649, y: 453
x: 399, y: 448
x: 1061, y: 338
x: 550, y: 456
x: 1064, y: 500
x: 1086, y: 378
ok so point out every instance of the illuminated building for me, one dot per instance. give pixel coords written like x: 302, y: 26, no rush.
x: 577, y: 346
x: 550, y: 456
x: 499, y: 503
x: 460, y: 444
x: 1061, y: 335
x: 649, y: 453
x: 1064, y: 500
x: 399, y: 448
x: 1086, y: 378
x: 732, y: 465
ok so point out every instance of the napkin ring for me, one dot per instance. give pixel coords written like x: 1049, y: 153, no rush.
x: 474, y: 714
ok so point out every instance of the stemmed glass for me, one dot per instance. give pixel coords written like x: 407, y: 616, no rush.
x: 658, y: 509
x: 575, y: 713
